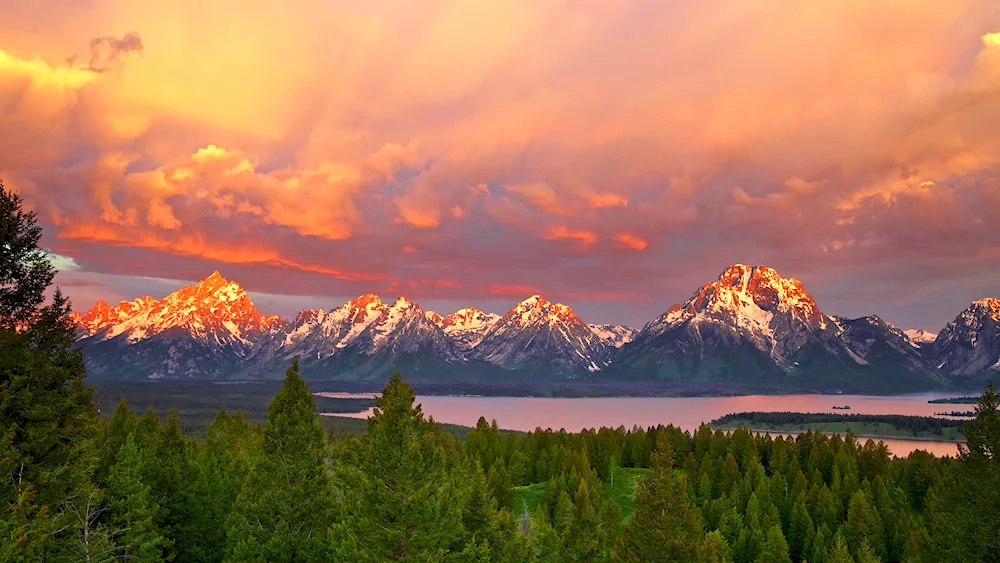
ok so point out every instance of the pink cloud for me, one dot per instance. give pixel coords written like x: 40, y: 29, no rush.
x: 507, y: 146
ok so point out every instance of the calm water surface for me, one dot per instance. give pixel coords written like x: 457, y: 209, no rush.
x: 529, y: 413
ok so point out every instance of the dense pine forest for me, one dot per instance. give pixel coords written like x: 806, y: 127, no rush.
x: 138, y: 488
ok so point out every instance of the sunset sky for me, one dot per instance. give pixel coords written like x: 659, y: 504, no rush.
x: 611, y: 154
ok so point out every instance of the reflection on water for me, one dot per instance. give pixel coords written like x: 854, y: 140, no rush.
x: 529, y: 413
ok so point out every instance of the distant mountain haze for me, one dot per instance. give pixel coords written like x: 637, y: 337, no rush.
x: 751, y: 325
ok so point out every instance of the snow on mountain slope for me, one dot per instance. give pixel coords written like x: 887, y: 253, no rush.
x: 773, y: 313
x: 919, y: 337
x: 468, y: 326
x: 880, y: 343
x: 614, y: 335
x: 970, y: 344
x: 200, y: 331
x: 363, y: 336
x: 214, y: 310
x: 403, y: 327
x: 539, y: 335
x: 318, y: 334
x: 752, y: 324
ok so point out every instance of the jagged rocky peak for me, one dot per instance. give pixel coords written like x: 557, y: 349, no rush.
x: 214, y: 308
x: 752, y: 290
x: 468, y: 326
x: 434, y: 317
x: 220, y: 297
x: 363, y: 308
x: 537, y: 308
x: 532, y: 303
x: 368, y: 300
x: 988, y: 306
x: 466, y: 318
x: 970, y: 344
x: 404, y: 303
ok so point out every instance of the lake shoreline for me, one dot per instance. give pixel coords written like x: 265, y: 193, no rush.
x: 877, y: 437
x: 629, y: 389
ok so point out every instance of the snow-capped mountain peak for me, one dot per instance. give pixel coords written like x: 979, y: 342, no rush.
x: 750, y: 298
x: 214, y: 311
x: 754, y: 304
x: 468, y: 326
x: 529, y: 308
x: 756, y: 291
x: 919, y: 337
x: 970, y: 344
x: 537, y: 332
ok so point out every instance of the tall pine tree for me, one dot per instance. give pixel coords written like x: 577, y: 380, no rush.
x: 46, y: 415
x: 664, y: 527
x: 401, y: 498
x: 969, y: 529
x: 132, y: 511
x: 285, y: 505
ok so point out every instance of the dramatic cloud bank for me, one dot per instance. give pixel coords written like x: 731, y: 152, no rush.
x: 621, y: 152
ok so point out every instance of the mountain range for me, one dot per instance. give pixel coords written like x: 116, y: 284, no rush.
x: 749, y: 326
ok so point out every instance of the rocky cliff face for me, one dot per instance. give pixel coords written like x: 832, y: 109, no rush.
x: 970, y: 344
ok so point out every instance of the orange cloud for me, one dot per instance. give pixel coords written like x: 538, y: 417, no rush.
x: 630, y: 241
x: 539, y: 195
x: 581, y: 236
x: 605, y: 199
x: 249, y: 252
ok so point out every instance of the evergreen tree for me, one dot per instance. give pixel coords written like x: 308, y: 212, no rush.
x: 716, y: 549
x: 479, y: 510
x: 861, y: 527
x: 224, y: 462
x: 544, y: 539
x: 664, y: 526
x: 285, y: 505
x: 46, y: 415
x: 866, y: 554
x: 820, y: 550
x: 774, y: 548
x: 839, y: 553
x: 24, y: 529
x: 800, y: 528
x: 111, y: 438
x: 609, y: 528
x: 401, y: 498
x: 580, y: 540
x: 500, y: 486
x: 175, y: 475
x: 132, y: 510
x: 970, y: 527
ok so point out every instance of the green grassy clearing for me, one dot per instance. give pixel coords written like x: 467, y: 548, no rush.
x: 526, y: 498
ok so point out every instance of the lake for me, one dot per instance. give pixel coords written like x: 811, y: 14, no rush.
x: 529, y: 413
